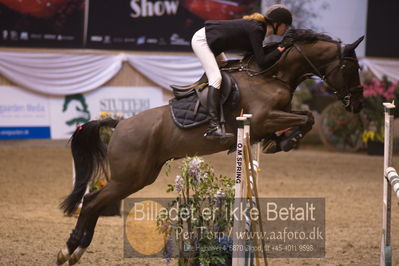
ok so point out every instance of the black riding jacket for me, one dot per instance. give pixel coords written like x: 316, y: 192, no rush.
x: 242, y: 35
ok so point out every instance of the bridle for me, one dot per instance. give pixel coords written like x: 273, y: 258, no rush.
x: 346, y: 94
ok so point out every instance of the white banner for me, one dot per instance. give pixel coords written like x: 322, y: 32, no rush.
x: 69, y: 111
x: 25, y: 114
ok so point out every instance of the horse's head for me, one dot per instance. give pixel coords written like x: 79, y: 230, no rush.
x: 335, y: 63
x: 342, y: 75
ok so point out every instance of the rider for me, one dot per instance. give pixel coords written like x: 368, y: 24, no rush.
x: 245, y: 35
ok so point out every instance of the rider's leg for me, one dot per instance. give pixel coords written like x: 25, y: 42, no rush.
x: 221, y: 59
x: 214, y: 130
x: 206, y: 58
x: 210, y: 65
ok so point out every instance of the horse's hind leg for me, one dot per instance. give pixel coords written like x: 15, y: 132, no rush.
x: 76, y: 234
x: 82, y: 234
x: 110, y: 194
x: 120, y: 186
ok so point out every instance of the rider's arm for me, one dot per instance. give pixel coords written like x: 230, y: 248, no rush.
x: 263, y: 60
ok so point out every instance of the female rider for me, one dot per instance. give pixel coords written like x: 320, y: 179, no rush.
x: 246, y: 35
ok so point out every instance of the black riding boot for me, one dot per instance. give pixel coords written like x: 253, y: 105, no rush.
x: 214, y: 129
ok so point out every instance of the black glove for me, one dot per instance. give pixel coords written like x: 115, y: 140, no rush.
x: 287, y: 42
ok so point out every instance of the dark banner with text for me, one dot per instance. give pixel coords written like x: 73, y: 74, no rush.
x: 382, y: 29
x: 42, y: 23
x: 164, y: 25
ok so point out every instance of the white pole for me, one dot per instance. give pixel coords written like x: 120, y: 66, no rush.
x: 250, y: 256
x: 239, y: 225
x: 386, y: 249
x: 393, y: 179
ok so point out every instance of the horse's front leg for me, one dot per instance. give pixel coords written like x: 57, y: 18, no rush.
x: 309, y: 125
x: 294, y: 126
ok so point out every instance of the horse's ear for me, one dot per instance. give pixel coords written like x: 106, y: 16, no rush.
x: 356, y: 43
x: 350, y: 48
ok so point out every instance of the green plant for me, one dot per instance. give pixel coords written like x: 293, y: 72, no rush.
x: 105, y: 133
x: 340, y: 129
x: 203, y: 205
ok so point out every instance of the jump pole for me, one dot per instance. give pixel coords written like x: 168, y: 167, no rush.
x: 391, y: 181
x: 238, y: 258
x: 252, y: 170
x: 245, y: 196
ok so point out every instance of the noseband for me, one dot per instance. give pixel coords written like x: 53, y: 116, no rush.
x: 346, y: 95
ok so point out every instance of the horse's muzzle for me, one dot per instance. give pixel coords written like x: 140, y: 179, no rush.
x: 354, y: 108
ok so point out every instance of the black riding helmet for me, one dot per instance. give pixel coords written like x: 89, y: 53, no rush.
x: 279, y: 14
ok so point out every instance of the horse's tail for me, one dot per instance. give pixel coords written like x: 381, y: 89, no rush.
x: 89, y: 154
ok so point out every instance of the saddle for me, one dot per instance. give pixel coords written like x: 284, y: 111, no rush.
x: 189, y: 107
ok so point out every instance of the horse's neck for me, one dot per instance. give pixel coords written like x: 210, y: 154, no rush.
x: 295, y: 68
x: 292, y: 67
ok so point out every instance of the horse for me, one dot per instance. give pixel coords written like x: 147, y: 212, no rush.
x: 140, y: 145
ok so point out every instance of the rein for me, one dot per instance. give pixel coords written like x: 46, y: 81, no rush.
x: 345, y: 97
x: 252, y: 73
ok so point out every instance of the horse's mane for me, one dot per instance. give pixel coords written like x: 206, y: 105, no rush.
x: 307, y: 36
x: 295, y: 36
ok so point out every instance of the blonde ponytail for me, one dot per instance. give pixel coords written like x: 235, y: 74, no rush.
x: 255, y: 16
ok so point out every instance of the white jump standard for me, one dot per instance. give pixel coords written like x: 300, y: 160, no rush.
x: 246, y: 196
x: 391, y: 182
x: 393, y: 178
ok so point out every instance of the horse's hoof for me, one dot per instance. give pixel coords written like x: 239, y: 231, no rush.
x: 270, y: 146
x: 63, y: 256
x: 291, y: 142
x: 76, y: 255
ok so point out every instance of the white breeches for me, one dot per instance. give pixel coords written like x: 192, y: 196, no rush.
x: 207, y: 58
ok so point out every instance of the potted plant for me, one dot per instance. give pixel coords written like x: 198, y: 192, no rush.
x: 197, y: 188
x: 375, y: 93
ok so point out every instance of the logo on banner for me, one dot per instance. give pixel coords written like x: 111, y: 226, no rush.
x: 144, y: 8
x: 127, y: 106
x: 77, y: 106
x: 175, y: 39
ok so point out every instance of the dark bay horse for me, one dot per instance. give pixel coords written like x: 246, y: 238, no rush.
x: 141, y: 145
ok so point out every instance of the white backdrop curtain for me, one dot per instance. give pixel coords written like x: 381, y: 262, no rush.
x: 167, y: 70
x: 59, y: 74
x: 381, y: 67
x: 63, y: 74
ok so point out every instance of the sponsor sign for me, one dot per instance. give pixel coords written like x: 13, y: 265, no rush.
x: 23, y: 114
x: 156, y: 24
x: 44, y: 23
x: 70, y: 111
x: 27, y: 115
x: 165, y: 25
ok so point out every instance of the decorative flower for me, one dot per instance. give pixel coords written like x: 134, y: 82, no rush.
x: 178, y: 183
x: 168, y: 251
x: 195, y: 171
x: 219, y: 197
x: 375, y: 93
